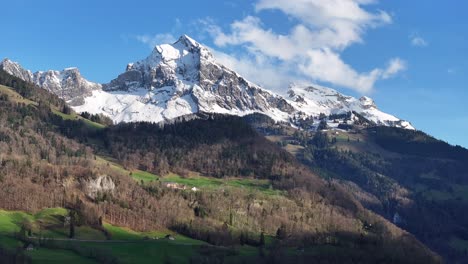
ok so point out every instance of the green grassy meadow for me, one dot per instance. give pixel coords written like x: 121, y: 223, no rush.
x: 207, y: 183
x: 74, y: 116
x: 126, y: 245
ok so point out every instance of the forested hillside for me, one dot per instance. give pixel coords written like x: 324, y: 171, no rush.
x: 51, y: 157
x: 412, y: 179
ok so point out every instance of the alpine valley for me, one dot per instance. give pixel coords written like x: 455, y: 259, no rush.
x: 182, y: 160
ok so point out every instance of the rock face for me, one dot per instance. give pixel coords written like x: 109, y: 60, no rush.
x: 183, y: 79
x: 68, y: 83
x: 15, y: 69
x: 102, y: 184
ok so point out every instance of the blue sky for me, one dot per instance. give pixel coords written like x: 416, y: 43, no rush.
x: 410, y: 56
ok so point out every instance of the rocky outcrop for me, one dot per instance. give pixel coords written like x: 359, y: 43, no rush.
x: 15, y: 69
x: 100, y: 185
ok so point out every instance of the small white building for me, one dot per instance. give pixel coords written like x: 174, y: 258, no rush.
x: 176, y: 186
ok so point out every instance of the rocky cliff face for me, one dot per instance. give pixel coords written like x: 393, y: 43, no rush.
x: 68, y: 83
x: 187, y: 72
x: 102, y: 184
x: 15, y: 69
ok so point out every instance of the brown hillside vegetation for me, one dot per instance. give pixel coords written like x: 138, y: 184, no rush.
x: 47, y: 161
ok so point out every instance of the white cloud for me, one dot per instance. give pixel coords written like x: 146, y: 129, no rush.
x: 337, y: 23
x: 418, y: 41
x: 326, y: 66
x: 312, y: 47
x: 394, y: 67
x: 153, y: 40
x: 258, y: 68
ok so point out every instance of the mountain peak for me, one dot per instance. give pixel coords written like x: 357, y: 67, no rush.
x: 185, y: 49
x: 187, y: 41
x: 188, y: 44
x: 5, y: 60
x: 15, y: 69
x: 68, y: 83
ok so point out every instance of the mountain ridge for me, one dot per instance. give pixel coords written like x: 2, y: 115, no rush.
x: 184, y: 78
x: 68, y: 83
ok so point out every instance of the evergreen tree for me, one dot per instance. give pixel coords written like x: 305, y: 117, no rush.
x: 323, y: 125
x: 281, y: 232
x: 72, y: 225
x: 262, y: 239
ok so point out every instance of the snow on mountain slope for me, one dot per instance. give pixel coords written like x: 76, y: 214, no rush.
x: 182, y: 79
x: 68, y: 83
x: 312, y: 100
x: 139, y: 105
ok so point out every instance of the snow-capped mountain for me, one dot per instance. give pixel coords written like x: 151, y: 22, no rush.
x: 184, y: 78
x: 181, y: 79
x: 311, y: 100
x: 68, y: 83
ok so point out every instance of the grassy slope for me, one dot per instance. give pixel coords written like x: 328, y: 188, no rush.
x: 140, y: 250
x: 74, y: 116
x: 141, y: 247
x: 207, y: 183
x: 122, y: 233
x: 127, y: 245
x: 201, y: 182
x: 136, y: 250
x: 16, y: 97
x: 10, y: 222
x: 46, y: 256
x: 137, y: 175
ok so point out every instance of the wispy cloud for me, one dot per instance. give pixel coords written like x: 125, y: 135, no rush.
x: 418, y: 41
x: 257, y: 68
x: 312, y: 48
x: 394, y: 67
x: 153, y: 40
